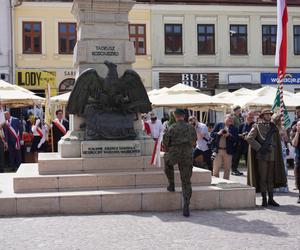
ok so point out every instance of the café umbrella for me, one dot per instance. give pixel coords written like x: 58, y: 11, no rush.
x: 15, y: 96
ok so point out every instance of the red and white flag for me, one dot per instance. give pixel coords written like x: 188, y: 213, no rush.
x: 281, y: 44
x: 155, y: 159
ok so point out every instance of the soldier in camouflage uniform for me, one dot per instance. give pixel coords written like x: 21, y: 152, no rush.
x: 179, y: 140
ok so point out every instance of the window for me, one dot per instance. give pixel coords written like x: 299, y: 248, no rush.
x: 137, y: 35
x: 32, y: 38
x: 66, y: 85
x: 66, y: 37
x: 206, y: 39
x: 173, y: 39
x: 269, y: 34
x: 297, y: 39
x: 238, y: 40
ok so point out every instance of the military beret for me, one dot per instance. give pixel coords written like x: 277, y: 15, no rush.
x: 179, y: 112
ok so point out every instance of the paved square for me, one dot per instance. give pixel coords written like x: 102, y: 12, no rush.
x: 222, y: 229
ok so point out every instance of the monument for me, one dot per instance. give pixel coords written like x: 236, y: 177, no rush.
x: 103, y: 163
x: 103, y: 53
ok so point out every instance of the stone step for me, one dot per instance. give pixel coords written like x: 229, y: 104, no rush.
x: 126, y: 200
x: 28, y: 180
x: 52, y: 163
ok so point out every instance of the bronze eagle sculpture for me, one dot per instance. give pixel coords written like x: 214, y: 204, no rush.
x: 126, y: 94
x: 109, y: 105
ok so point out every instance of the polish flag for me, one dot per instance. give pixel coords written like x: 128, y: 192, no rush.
x: 281, y: 44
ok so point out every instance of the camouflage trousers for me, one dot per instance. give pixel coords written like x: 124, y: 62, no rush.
x: 185, y: 166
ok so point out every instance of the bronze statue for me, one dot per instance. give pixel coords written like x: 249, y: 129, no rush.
x: 109, y: 105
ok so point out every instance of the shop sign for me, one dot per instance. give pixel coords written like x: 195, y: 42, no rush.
x: 36, y: 79
x: 271, y: 78
x: 70, y: 73
x: 196, y: 80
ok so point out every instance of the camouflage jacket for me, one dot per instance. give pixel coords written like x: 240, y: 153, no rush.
x: 179, y: 135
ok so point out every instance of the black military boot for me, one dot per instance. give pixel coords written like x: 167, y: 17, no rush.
x: 264, y: 199
x: 171, y: 187
x: 186, y: 210
x: 271, y: 200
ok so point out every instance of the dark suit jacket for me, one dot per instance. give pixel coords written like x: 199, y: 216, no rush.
x: 244, y: 128
x: 57, y: 134
x: 230, y: 140
x: 11, y: 140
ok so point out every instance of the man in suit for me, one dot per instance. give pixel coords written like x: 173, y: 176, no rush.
x: 242, y: 145
x: 13, y: 134
x: 225, y: 137
x: 3, y: 147
x: 60, y: 128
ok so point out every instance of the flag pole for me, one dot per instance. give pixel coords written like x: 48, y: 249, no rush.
x: 52, y: 142
x: 281, y: 49
x: 281, y: 100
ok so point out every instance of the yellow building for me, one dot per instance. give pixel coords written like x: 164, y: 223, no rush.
x: 139, y: 32
x: 44, y: 37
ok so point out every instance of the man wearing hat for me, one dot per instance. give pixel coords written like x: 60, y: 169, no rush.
x: 179, y: 141
x: 265, y: 163
x: 237, y: 116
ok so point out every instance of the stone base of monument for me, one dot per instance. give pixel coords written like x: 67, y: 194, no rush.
x: 98, y: 185
x: 105, y: 149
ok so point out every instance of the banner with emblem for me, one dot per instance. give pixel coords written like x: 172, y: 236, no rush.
x: 276, y: 108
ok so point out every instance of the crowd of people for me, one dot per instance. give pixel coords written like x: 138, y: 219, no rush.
x: 228, y: 142
x: 257, y: 137
x: 28, y: 134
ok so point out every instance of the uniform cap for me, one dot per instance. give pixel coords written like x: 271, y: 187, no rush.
x: 266, y: 111
x: 179, y: 112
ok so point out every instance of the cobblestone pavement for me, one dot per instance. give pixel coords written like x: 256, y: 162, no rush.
x: 222, y: 229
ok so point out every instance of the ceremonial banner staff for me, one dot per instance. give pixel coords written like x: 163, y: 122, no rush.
x: 281, y: 48
x: 48, y: 116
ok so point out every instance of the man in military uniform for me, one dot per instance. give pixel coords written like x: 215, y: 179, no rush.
x: 265, y: 162
x: 179, y: 141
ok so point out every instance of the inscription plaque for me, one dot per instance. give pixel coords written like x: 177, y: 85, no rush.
x: 102, y: 149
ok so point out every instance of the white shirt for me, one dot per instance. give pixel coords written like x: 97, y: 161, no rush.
x: 156, y: 128
x: 2, y: 118
x: 203, y: 130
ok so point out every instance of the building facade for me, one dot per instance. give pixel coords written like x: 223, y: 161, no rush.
x: 140, y: 34
x: 221, y: 45
x: 5, y: 41
x: 45, y: 34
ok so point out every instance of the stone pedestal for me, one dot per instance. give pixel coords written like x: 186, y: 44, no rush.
x: 102, y: 35
x: 104, y: 149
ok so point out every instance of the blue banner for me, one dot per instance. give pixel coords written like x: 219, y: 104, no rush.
x: 271, y: 78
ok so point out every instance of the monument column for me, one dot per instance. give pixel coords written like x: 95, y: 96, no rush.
x: 103, y: 35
